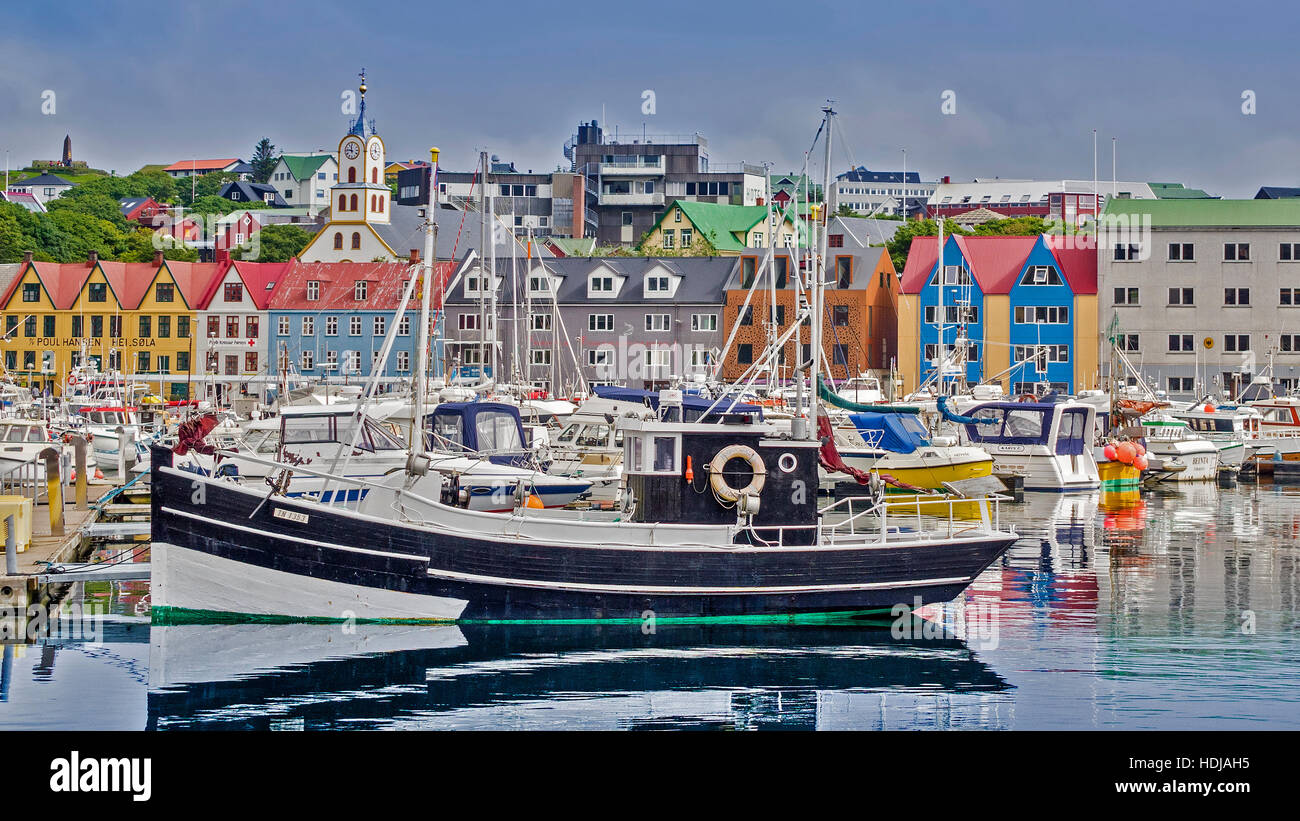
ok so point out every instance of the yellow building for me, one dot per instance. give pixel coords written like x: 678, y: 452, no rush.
x: 728, y: 230
x: 135, y: 318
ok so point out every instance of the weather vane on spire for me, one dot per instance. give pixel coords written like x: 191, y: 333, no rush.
x: 362, y: 75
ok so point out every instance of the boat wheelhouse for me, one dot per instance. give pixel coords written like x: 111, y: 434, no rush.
x: 1049, y: 443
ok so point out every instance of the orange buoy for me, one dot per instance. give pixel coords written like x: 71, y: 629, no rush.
x: 535, y: 501
x: 690, y: 474
x: 99, y: 474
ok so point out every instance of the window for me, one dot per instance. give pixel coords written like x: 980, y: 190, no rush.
x: 1181, y: 384
x: 32, y: 292
x: 359, y: 289
x: 745, y: 354
x: 98, y: 292
x: 1181, y: 296
x: 182, y: 327
x: 1289, y: 343
x: 234, y: 292
x: 404, y: 327
x: 657, y: 285
x: 747, y: 316
x: 539, y: 284
x: 164, y: 292
x: 252, y: 326
x: 1181, y: 252
x: 467, y: 322
x: 1289, y: 296
x: 308, y: 360
x: 782, y: 270
x: 835, y: 241
x: 313, y: 290
x: 338, y: 237
x: 688, y: 237
x: 380, y: 325
x: 1040, y: 275
x: 282, y: 326
x: 1289, y: 252
x: 840, y: 316
x: 354, y: 326
x: 1236, y: 343
x: 142, y: 361
x: 748, y: 266
x: 955, y: 275
x: 250, y: 362
x: 1042, y: 314
x: 214, y: 327
x: 146, y: 330
x: 670, y: 238
x: 965, y: 314
x: 1041, y: 355
x: 704, y: 322
x: 331, y: 326
x: 232, y: 327
x: 164, y: 327
x: 1236, y: 252
x: 539, y: 322
x: 600, y: 322
x: 1127, y: 252
x: 48, y: 326
x: 840, y: 355
x: 600, y: 357
x: 844, y: 272
x: 356, y: 240
x: 309, y: 326
x: 1236, y: 296
x: 183, y: 361
x: 658, y: 322
x: 403, y: 360
x: 76, y: 325
x: 1126, y: 296
x: 115, y: 326
x: 1127, y: 342
x: 540, y: 356
x: 601, y: 285
x: 1180, y: 343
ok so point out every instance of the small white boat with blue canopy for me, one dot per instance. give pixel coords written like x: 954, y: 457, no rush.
x: 1049, y: 443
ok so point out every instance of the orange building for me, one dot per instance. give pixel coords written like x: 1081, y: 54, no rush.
x: 860, y: 325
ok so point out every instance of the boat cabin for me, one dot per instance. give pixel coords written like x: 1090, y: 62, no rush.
x: 894, y: 432
x: 309, y: 425
x: 110, y: 416
x: 493, y: 429
x: 1064, y: 428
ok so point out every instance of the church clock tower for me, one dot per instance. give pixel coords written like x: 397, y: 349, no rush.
x: 362, y: 194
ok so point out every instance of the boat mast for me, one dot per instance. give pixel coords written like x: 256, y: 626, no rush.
x: 819, y: 274
x: 484, y: 240
x: 420, y: 378
x: 939, y: 279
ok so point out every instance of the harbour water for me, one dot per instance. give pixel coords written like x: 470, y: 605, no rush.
x: 1176, y: 610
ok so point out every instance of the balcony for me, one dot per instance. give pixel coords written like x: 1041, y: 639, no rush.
x: 656, y: 199
x: 633, y: 166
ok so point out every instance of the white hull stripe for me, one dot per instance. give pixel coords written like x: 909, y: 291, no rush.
x: 298, y: 539
x: 692, y: 591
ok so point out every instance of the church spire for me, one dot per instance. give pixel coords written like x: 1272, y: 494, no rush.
x: 362, y: 127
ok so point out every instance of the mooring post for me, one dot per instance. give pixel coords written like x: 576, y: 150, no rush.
x: 79, y: 461
x: 54, y: 489
x: 11, y: 547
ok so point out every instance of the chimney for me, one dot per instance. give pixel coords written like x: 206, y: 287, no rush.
x: 946, y: 179
x: 223, y: 256
x: 27, y: 257
x: 157, y: 257
x: 415, y: 255
x: 93, y: 259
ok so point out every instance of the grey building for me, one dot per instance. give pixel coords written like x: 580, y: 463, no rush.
x: 1203, y: 293
x: 882, y: 192
x: 631, y: 321
x: 629, y: 180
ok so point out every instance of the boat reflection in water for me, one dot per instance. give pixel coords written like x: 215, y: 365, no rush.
x: 316, y: 676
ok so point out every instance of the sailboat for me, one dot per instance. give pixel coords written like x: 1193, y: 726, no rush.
x: 720, y: 522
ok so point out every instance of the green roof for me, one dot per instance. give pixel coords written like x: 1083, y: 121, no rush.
x: 302, y: 167
x: 574, y: 246
x: 1176, y: 191
x: 1193, y: 213
x: 719, y: 224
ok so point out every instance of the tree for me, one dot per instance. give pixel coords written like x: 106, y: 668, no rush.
x: 276, y: 243
x: 264, y: 160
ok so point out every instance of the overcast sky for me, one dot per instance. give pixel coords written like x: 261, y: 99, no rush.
x: 138, y: 83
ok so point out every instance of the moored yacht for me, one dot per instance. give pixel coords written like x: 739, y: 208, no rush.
x: 1050, y: 443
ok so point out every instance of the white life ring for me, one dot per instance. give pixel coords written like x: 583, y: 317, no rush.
x: 718, y: 482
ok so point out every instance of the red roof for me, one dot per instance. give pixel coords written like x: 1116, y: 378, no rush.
x: 1078, y: 265
x: 337, y: 285
x: 194, y: 279
x: 129, y: 281
x: 55, y: 280
x: 259, y: 278
x: 201, y: 165
x: 995, y: 261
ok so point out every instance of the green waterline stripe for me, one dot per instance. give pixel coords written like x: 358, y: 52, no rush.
x: 182, y: 615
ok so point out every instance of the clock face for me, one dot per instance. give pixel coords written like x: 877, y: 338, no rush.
x: 351, y: 150
x: 374, y: 151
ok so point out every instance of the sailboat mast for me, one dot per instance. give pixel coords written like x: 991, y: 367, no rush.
x: 940, y: 319
x: 420, y: 385
x: 819, y: 274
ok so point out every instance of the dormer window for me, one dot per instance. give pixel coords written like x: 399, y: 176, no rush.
x: 313, y: 290
x: 540, y: 284
x: 657, y: 285
x: 359, y: 289
x: 601, y: 285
